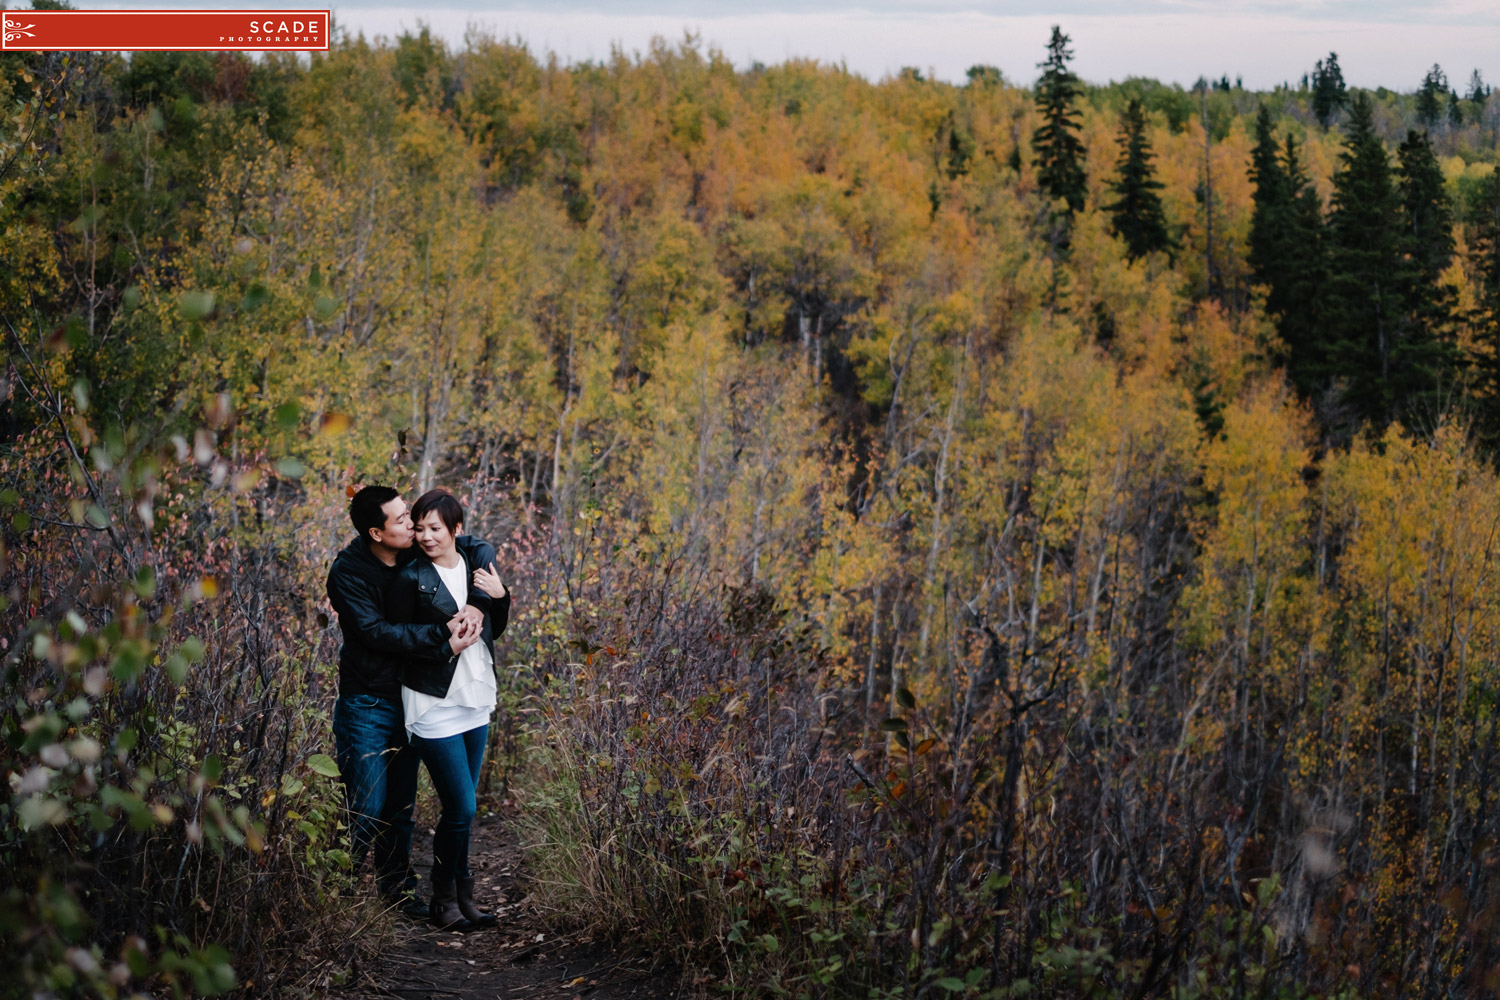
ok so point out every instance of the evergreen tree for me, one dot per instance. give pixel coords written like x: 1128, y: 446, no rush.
x: 1363, y: 300
x: 1271, y: 197
x: 1285, y: 251
x: 1328, y: 91
x: 1430, y: 96
x: 1427, y: 354
x: 1305, y: 269
x: 1059, y: 151
x: 961, y: 148
x: 1427, y: 216
x: 1475, y: 98
x: 1478, y: 92
x: 985, y: 76
x: 1136, y: 214
x: 1484, y: 260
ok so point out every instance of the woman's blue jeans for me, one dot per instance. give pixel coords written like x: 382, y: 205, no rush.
x: 453, y: 763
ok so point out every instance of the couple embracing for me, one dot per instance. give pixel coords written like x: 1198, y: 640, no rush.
x: 419, y: 604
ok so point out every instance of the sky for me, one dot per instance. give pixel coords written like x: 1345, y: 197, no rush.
x: 1389, y: 43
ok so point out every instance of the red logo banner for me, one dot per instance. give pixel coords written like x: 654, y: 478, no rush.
x: 164, y: 30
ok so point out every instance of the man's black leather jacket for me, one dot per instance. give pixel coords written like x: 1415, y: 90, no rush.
x: 374, y: 646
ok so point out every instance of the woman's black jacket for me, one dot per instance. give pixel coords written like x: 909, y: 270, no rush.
x: 418, y: 596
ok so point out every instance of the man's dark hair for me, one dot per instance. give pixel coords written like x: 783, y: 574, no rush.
x: 449, y: 510
x: 365, y: 509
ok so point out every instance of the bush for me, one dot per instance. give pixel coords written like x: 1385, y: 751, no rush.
x: 169, y: 821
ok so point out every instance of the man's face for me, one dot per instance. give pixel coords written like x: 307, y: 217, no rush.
x: 397, y: 533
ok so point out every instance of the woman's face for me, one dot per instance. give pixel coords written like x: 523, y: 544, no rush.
x: 434, y: 538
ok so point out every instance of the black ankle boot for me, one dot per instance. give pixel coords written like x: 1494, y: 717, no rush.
x: 477, y: 917
x: 444, y: 912
x: 403, y: 896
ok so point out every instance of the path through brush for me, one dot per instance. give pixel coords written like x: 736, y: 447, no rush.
x: 522, y: 959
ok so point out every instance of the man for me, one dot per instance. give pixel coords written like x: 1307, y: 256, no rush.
x: 379, y: 770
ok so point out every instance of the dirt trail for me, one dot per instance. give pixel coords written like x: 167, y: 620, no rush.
x: 520, y: 960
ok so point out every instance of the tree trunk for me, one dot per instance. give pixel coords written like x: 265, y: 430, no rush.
x: 940, y: 495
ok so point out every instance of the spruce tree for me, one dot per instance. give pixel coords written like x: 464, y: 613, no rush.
x: 1430, y: 96
x: 1363, y: 301
x: 1059, y: 151
x: 1328, y: 91
x: 1475, y: 98
x: 1285, y: 252
x: 1304, y: 271
x: 1136, y: 214
x: 1427, y: 216
x: 1478, y: 92
x: 1427, y: 355
x: 1484, y: 261
x: 1271, y: 198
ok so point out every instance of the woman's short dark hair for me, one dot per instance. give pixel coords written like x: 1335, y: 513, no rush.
x: 449, y: 510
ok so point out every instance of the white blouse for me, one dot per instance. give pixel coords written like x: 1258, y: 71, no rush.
x: 471, y: 696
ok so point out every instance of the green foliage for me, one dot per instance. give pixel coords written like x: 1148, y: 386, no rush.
x: 1426, y: 215
x: 1174, y: 104
x: 1432, y: 96
x: 1427, y: 249
x: 986, y: 76
x: 117, y: 755
x: 1136, y: 214
x: 1059, y: 151
x: 1484, y: 260
x: 1478, y: 91
x: 1363, y: 296
x: 422, y: 69
x: 1329, y: 94
x: 1387, y: 313
x: 1286, y: 252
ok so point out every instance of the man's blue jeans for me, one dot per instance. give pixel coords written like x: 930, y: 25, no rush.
x: 379, y: 769
x: 453, y: 764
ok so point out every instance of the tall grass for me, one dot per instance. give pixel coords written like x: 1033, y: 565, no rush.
x: 173, y: 820
x: 702, y: 783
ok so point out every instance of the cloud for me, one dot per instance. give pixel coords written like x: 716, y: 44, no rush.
x: 1174, y: 46
x: 1379, y: 42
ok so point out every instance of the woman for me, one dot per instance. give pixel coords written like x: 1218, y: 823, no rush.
x: 448, y: 700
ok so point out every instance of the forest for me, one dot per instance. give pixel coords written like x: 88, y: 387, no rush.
x: 1022, y: 537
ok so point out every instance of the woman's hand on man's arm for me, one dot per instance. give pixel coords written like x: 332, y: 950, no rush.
x: 487, y: 579
x: 466, y: 627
